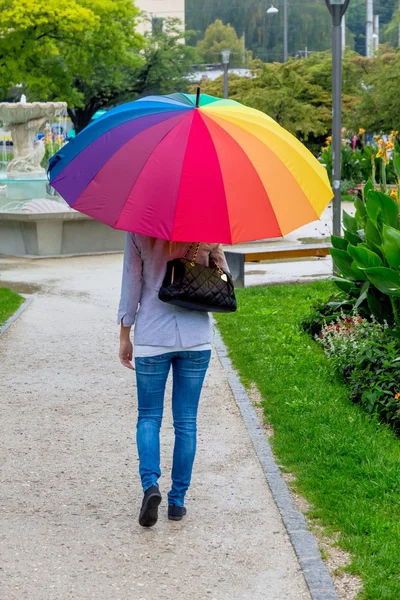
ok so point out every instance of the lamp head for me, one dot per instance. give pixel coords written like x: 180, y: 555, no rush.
x: 226, y: 56
x: 337, y: 8
x: 272, y: 10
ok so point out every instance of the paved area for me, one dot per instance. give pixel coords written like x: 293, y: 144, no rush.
x: 69, y: 487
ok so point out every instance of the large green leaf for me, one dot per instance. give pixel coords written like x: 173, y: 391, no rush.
x: 396, y: 163
x: 367, y: 188
x: 363, y: 294
x: 363, y: 257
x: 372, y: 234
x: 385, y: 280
x: 343, y: 261
x: 349, y: 222
x: 391, y: 246
x: 390, y: 210
x: 343, y: 284
x: 360, y: 206
x: 376, y: 307
x: 353, y: 238
x: 339, y: 242
x: 373, y: 206
x: 358, y: 273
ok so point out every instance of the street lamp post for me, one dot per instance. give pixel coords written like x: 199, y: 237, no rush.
x: 272, y: 11
x: 337, y: 8
x: 226, y: 57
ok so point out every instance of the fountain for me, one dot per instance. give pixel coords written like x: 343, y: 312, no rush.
x: 24, y: 121
x: 34, y: 220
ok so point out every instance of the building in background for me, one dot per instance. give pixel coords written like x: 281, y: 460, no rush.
x: 155, y: 11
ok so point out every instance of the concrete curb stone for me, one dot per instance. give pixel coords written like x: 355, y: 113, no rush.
x: 17, y: 314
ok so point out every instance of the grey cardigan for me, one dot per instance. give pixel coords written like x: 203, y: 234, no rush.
x: 156, y: 323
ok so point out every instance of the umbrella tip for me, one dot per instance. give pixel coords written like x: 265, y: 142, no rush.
x: 198, y: 97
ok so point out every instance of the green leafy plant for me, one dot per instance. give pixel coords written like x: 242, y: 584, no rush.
x: 323, y: 313
x: 367, y: 357
x: 367, y: 257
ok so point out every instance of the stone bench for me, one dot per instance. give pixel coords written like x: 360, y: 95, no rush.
x: 238, y: 256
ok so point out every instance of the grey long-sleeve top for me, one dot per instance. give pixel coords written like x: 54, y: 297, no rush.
x: 156, y: 323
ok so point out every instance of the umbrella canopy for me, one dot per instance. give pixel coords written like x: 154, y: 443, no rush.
x: 191, y: 168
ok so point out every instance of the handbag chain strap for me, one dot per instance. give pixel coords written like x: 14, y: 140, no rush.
x: 194, y: 255
x: 220, y: 271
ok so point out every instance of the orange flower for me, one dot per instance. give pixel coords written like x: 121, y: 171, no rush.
x: 397, y: 397
x: 394, y: 194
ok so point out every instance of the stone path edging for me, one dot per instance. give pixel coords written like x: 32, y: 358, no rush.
x: 314, y: 570
x: 17, y: 314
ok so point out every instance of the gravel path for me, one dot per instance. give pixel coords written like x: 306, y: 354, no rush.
x: 70, y: 492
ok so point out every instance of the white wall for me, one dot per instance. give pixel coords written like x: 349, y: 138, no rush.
x: 161, y: 8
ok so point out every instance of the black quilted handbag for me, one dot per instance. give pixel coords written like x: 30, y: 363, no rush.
x: 196, y: 287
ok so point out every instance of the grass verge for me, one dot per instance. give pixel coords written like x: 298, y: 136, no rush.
x: 9, y: 303
x: 346, y: 464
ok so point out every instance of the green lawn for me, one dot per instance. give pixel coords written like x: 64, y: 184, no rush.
x: 346, y: 465
x: 9, y: 303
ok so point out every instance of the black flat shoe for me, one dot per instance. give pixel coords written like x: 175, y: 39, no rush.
x: 149, y: 511
x: 175, y: 513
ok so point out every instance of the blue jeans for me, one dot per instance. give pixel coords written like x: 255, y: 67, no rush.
x: 189, y: 370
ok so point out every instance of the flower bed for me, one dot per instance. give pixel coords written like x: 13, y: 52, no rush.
x: 359, y: 329
x: 364, y: 353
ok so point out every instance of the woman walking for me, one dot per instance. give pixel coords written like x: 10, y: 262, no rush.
x: 165, y: 336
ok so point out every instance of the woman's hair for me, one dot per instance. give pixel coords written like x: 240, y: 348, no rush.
x: 172, y: 247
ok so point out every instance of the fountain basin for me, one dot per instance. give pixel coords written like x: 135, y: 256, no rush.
x: 56, y: 234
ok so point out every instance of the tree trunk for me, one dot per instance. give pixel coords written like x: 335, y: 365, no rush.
x: 81, y: 117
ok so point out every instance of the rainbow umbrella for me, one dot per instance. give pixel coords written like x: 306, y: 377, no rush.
x: 191, y: 168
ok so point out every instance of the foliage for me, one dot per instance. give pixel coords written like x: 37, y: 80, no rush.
x: 368, y: 256
x: 374, y: 379
x: 84, y: 65
x: 368, y: 357
x: 219, y: 37
x: 97, y: 64
x: 359, y: 165
x: 167, y: 62
x: 355, y: 21
x: 9, y: 303
x: 323, y: 313
x: 297, y: 94
x: 345, y: 462
x: 309, y: 24
x: 32, y: 30
x: 379, y: 106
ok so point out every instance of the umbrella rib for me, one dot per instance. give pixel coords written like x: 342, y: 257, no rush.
x: 180, y: 181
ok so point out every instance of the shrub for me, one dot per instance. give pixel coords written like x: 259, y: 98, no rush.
x: 325, y: 312
x: 367, y: 356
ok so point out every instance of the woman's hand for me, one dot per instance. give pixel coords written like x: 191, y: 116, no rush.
x: 126, y: 353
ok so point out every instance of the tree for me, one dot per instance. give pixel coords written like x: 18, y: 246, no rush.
x: 31, y: 30
x: 167, y: 61
x: 92, y: 73
x: 309, y: 24
x: 379, y: 108
x: 87, y: 53
x: 297, y: 94
x: 162, y: 68
x: 219, y: 37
